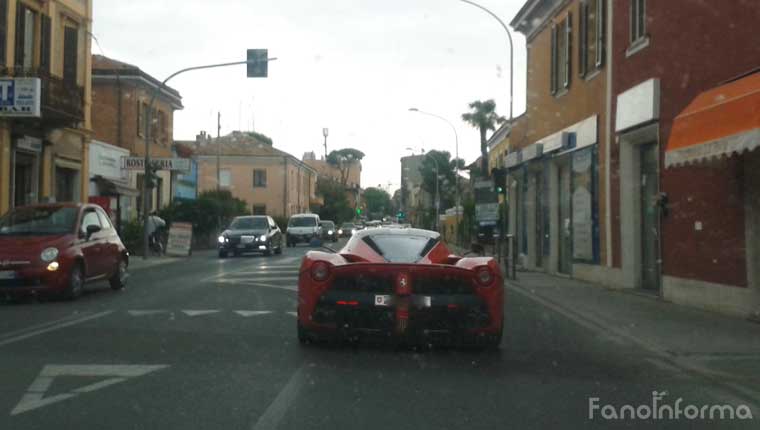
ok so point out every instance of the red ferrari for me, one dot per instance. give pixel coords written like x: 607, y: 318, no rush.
x: 400, y: 284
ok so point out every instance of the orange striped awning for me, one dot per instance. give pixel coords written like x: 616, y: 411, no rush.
x: 720, y: 122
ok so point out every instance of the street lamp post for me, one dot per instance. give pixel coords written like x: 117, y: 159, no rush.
x: 456, y: 169
x: 149, y: 121
x: 511, y: 55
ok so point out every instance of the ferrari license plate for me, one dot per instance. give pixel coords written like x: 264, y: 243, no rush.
x: 6, y: 275
x: 382, y: 300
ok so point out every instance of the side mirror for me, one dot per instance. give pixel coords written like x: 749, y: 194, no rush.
x: 92, y: 229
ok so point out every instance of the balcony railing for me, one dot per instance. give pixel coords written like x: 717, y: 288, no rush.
x: 62, y: 102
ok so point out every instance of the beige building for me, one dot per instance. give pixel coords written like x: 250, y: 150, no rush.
x: 352, y: 175
x: 271, y: 181
x: 45, y: 54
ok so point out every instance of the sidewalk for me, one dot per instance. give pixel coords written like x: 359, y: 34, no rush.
x: 136, y: 262
x: 712, y: 345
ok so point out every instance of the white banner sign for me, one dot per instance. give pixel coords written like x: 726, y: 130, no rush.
x: 20, y: 97
x: 138, y: 163
x: 180, y: 239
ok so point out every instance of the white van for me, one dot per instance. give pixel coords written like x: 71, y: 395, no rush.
x: 303, y: 228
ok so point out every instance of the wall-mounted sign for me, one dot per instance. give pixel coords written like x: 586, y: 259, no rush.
x: 138, y: 163
x: 20, y: 97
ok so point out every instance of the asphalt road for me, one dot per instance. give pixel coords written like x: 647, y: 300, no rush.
x: 211, y: 344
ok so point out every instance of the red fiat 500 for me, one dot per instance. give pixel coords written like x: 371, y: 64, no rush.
x: 58, y: 248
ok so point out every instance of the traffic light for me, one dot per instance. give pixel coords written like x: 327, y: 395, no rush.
x: 358, y: 211
x: 258, y: 63
x: 152, y: 180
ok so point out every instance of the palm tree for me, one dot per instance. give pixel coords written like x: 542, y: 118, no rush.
x: 483, y: 116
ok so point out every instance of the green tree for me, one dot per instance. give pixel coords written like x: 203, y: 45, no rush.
x: 343, y: 159
x: 378, y: 202
x: 336, y: 207
x: 447, y: 182
x: 483, y: 116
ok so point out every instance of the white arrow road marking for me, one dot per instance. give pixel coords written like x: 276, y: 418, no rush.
x: 192, y: 313
x: 247, y: 314
x: 34, y: 396
x: 147, y: 312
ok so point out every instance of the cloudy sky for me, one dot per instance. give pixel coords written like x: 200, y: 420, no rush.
x: 354, y: 66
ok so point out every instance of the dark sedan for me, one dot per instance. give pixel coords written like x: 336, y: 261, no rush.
x: 329, y: 231
x: 251, y: 234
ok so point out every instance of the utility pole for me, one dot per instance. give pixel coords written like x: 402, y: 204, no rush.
x: 218, y: 166
x: 218, y: 152
x: 325, y: 132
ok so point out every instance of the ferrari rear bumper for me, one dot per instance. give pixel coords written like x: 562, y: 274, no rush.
x: 453, y: 318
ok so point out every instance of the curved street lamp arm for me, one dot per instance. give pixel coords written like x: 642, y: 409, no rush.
x: 511, y: 53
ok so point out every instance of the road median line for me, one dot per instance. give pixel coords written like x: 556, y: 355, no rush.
x: 53, y: 328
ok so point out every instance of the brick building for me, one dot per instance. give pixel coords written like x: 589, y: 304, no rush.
x: 44, y: 55
x: 558, y: 147
x: 686, y: 120
x: 120, y: 96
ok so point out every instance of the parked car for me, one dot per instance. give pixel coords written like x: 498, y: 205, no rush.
x: 403, y: 284
x: 347, y: 229
x: 303, y: 228
x: 258, y: 233
x: 329, y: 232
x: 58, y: 248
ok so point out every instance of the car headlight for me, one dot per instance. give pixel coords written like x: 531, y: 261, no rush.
x: 330, y: 232
x: 353, y: 231
x: 49, y: 255
x: 222, y: 239
x: 340, y: 231
x: 263, y: 238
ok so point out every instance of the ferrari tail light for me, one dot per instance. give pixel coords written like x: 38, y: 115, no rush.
x: 320, y: 271
x: 347, y: 303
x: 484, y: 276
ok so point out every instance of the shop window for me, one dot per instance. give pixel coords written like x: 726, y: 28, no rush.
x: 637, y: 27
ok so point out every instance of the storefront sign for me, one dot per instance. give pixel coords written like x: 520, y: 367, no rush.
x: 20, y: 97
x: 105, y: 161
x: 180, y: 239
x: 138, y: 163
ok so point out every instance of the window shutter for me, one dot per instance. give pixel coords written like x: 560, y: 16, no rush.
x: 70, y: 54
x: 45, y: 41
x: 553, y: 73
x: 583, y: 44
x: 140, y: 118
x: 19, y: 45
x: 601, y: 34
x: 568, y: 48
x: 3, y: 30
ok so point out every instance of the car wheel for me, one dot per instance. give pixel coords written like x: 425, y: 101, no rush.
x: 278, y: 250
x: 75, y: 285
x: 119, y: 279
x: 304, y: 336
x: 222, y: 254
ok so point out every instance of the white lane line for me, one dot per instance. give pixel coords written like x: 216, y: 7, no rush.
x: 295, y: 314
x: 265, y: 272
x: 252, y: 283
x: 195, y: 313
x: 275, y: 412
x: 247, y: 314
x: 147, y: 312
x: 37, y: 326
x: 53, y: 328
